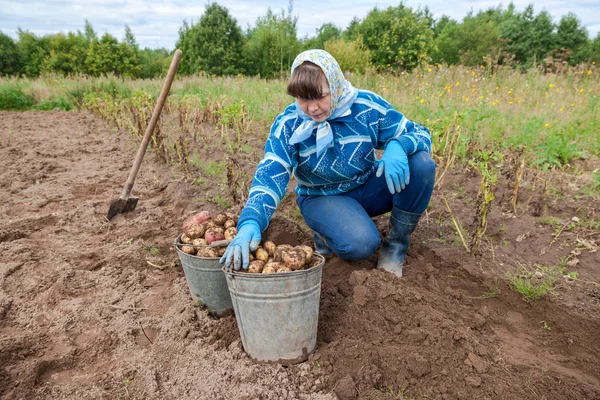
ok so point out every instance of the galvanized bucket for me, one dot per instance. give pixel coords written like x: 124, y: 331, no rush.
x: 277, y: 314
x: 206, y: 281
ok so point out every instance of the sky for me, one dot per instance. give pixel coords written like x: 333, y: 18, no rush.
x: 155, y: 23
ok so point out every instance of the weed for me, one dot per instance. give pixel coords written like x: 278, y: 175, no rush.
x: 533, y: 284
x: 12, y: 97
x: 552, y: 221
x: 546, y: 326
x: 58, y: 103
x: 154, y: 251
x: 216, y: 169
x: 221, y: 201
x: 573, y: 275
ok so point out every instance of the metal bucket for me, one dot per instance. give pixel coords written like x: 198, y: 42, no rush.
x: 277, y: 314
x: 206, y: 281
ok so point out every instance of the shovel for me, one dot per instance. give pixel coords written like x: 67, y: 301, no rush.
x: 126, y: 203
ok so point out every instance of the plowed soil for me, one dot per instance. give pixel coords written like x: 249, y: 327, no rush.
x: 92, y: 309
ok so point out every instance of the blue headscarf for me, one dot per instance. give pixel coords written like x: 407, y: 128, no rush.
x: 342, y: 92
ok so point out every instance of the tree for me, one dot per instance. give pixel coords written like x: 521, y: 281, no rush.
x: 32, y: 51
x: 272, y: 45
x: 214, y: 45
x: 108, y: 56
x: 154, y: 62
x: 89, y: 33
x: 468, y: 42
x: 397, y: 37
x: 327, y: 31
x: 130, y: 39
x: 529, y: 38
x: 572, y: 37
x: 10, y: 60
x: 66, y: 54
x: 351, y: 32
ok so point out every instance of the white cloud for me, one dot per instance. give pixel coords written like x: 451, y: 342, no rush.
x: 156, y: 23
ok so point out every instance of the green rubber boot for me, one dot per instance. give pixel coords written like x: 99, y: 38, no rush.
x: 394, y: 246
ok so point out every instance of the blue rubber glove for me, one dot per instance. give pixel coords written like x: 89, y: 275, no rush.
x: 238, y: 251
x: 394, y: 164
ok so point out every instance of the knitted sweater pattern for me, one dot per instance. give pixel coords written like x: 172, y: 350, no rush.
x: 347, y: 164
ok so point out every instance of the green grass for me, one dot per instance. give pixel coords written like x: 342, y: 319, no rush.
x: 555, y: 118
x: 535, y: 282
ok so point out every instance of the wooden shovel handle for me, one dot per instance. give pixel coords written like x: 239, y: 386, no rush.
x: 150, y: 129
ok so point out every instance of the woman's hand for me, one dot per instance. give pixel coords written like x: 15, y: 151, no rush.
x: 394, y: 164
x: 246, y: 240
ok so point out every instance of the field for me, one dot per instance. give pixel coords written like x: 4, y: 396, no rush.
x: 501, y: 293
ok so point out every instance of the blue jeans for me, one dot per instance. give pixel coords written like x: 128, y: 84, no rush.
x: 345, y: 220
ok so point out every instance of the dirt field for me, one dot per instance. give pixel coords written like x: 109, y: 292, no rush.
x: 85, y: 315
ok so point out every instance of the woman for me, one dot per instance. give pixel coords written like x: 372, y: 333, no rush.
x: 327, y: 139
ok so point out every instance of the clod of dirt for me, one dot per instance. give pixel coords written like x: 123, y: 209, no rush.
x: 9, y: 236
x: 345, y: 389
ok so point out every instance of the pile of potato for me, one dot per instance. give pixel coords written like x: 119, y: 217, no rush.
x: 201, y: 230
x: 270, y: 258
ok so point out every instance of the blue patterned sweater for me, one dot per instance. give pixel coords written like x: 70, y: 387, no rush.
x: 346, y: 165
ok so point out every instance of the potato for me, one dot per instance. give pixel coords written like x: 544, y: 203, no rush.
x: 309, y: 252
x: 211, y: 235
x: 232, y: 216
x: 294, y: 259
x: 196, y: 219
x: 188, y: 250
x: 284, y: 269
x: 275, y: 265
x: 261, y: 254
x: 314, y: 262
x: 220, y: 219
x: 229, y: 224
x: 230, y: 233
x: 279, y: 250
x: 221, y: 251
x: 210, y: 224
x: 200, y: 241
x: 196, y: 231
x: 209, y: 252
x: 256, y: 267
x: 269, y: 270
x: 185, y: 239
x: 252, y: 258
x: 269, y: 247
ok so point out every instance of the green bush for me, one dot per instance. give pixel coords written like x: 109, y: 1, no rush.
x: 352, y: 56
x: 12, y: 97
x: 59, y: 103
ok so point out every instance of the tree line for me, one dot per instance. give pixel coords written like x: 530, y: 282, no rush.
x: 393, y: 39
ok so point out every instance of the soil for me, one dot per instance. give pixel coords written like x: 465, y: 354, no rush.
x: 92, y: 309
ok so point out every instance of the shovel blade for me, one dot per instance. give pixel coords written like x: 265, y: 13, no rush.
x: 119, y: 206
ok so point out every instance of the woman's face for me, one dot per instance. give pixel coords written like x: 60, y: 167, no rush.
x: 318, y: 109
